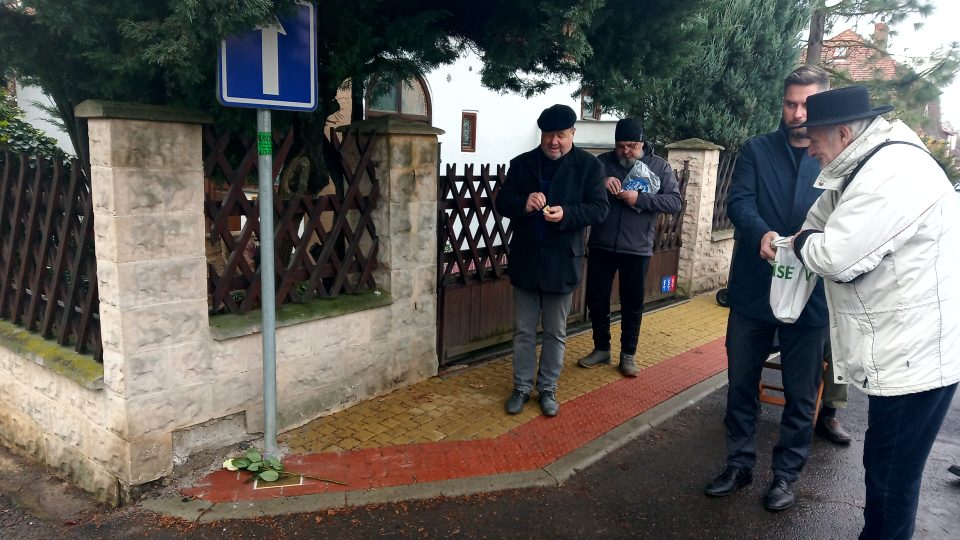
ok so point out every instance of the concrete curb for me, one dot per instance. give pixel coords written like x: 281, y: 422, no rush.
x: 552, y: 475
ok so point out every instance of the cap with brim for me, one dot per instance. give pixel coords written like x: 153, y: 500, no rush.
x: 841, y: 105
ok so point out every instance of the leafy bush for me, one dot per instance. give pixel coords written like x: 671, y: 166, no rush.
x: 941, y: 152
x: 19, y: 136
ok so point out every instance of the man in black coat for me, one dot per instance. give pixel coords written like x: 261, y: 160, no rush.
x: 551, y: 194
x: 623, y: 243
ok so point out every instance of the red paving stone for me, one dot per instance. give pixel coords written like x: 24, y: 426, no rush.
x: 532, y: 445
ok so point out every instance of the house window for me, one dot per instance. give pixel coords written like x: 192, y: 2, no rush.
x: 589, y: 108
x: 840, y: 52
x: 468, y: 132
x: 408, y: 98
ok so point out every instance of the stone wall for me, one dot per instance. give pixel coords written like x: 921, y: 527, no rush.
x: 704, y: 255
x: 171, y: 384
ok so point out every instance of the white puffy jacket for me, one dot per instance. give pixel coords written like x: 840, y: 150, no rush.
x: 889, y: 253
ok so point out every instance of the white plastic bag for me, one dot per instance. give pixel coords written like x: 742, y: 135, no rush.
x: 792, y: 283
x: 642, y: 179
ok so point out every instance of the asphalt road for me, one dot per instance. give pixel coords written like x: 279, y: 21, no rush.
x: 650, y: 488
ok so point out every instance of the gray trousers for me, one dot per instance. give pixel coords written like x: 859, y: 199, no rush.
x: 834, y: 394
x: 550, y: 310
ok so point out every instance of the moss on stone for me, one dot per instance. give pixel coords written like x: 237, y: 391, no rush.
x: 694, y: 144
x: 233, y: 325
x: 80, y: 368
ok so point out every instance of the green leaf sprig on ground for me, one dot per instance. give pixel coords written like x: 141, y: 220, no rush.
x: 266, y: 468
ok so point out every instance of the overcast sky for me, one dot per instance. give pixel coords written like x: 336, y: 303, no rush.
x: 938, y: 30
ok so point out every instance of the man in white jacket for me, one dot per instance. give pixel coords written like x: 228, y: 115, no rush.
x: 885, y: 236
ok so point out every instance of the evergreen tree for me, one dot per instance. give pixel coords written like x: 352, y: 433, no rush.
x: 731, y: 84
x: 164, y: 52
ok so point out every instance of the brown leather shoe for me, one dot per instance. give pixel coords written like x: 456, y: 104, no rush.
x: 829, y: 428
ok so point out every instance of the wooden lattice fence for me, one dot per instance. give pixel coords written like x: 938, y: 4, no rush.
x: 473, y: 236
x: 475, y: 303
x: 326, y: 244
x: 728, y: 160
x: 48, y: 267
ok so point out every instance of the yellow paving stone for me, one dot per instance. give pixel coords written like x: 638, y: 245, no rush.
x: 363, y: 435
x: 467, y: 403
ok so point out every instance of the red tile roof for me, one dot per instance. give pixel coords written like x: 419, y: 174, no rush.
x: 847, y: 51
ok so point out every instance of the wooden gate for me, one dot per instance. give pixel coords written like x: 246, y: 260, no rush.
x: 475, y: 304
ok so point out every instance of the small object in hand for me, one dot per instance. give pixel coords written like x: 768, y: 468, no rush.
x: 547, y: 210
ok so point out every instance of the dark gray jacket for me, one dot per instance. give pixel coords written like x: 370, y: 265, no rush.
x: 631, y: 229
x: 553, y: 262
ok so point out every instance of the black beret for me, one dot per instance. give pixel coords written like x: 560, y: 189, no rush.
x: 629, y: 129
x: 556, y: 118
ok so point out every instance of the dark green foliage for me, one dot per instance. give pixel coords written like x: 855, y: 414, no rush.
x: 19, y: 136
x: 141, y: 51
x: 941, y: 152
x: 731, y: 85
x: 164, y: 52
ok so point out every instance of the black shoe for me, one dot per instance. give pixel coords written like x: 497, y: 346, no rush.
x: 516, y: 401
x: 731, y: 479
x: 548, y: 403
x: 830, y: 428
x: 780, y: 496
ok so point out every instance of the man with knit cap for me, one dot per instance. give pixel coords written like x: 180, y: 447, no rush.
x: 623, y: 243
x: 551, y: 194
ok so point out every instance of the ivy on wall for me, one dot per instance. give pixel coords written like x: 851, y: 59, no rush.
x: 18, y: 136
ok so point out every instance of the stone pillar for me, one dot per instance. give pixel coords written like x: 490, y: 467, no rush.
x: 406, y: 160
x: 704, y: 260
x: 147, y: 184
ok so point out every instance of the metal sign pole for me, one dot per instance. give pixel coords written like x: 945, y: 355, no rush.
x: 267, y: 285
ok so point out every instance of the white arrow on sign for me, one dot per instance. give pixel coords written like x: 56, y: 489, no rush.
x: 269, y: 58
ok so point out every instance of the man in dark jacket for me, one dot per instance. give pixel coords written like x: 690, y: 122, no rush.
x: 624, y: 243
x: 771, y: 192
x: 551, y: 194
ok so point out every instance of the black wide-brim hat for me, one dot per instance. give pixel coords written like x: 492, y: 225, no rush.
x: 841, y: 105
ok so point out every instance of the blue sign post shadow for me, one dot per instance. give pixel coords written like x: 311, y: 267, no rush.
x: 274, y: 67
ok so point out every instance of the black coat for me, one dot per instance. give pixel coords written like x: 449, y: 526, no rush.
x: 552, y: 263
x: 772, y: 190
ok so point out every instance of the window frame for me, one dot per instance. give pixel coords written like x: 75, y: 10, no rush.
x: 464, y: 115
x: 416, y: 79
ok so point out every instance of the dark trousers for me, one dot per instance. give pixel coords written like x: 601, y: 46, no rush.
x: 901, y: 431
x: 601, y: 267
x: 801, y: 354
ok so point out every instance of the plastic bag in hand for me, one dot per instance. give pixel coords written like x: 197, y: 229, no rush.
x: 791, y: 285
x: 642, y: 179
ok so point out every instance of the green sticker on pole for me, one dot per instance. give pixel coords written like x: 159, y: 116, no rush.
x: 264, y: 144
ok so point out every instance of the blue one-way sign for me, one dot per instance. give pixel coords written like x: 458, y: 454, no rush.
x: 273, y: 67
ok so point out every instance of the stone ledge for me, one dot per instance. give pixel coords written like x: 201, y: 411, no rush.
x: 229, y: 326
x: 722, y: 234
x: 94, y: 108
x: 693, y: 144
x: 79, y: 368
x: 391, y: 123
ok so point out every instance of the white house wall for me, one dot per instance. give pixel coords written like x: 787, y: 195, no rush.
x: 28, y: 97
x: 506, y: 123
